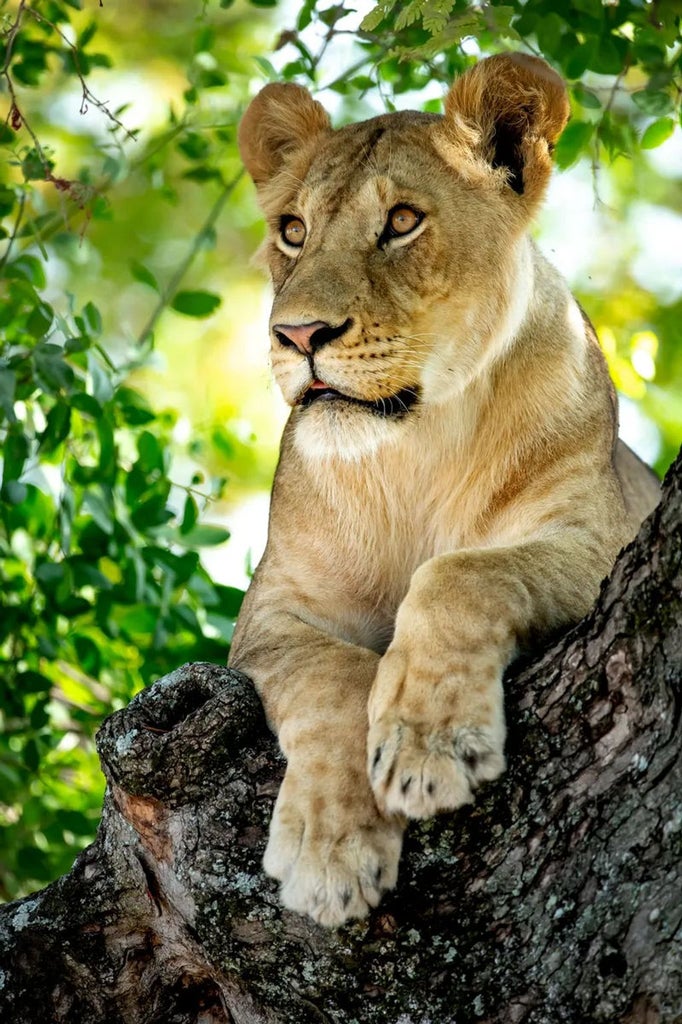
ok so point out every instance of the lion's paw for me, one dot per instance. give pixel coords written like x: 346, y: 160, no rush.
x: 418, y: 771
x: 331, y: 872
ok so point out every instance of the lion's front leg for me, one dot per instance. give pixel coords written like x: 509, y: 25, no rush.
x: 331, y: 849
x: 436, y: 711
x: 436, y: 730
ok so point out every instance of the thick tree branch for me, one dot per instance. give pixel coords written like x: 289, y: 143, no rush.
x: 557, y: 898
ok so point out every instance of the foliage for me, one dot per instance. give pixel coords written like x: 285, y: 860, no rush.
x: 101, y: 587
x: 112, y: 259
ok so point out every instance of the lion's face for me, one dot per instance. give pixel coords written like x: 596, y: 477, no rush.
x: 400, y: 267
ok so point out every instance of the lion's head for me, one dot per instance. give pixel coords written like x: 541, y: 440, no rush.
x: 397, y: 246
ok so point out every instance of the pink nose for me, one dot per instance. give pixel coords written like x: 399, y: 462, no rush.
x: 301, y: 336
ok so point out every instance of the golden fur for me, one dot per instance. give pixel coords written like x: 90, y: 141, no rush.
x: 450, y: 485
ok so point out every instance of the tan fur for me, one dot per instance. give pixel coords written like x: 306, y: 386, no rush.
x: 410, y: 557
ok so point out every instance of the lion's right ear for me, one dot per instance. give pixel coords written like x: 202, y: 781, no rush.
x: 280, y: 120
x: 509, y: 110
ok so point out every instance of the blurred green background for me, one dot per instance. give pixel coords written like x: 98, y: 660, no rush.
x: 138, y: 423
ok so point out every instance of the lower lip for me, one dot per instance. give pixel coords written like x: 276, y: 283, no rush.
x: 391, y: 406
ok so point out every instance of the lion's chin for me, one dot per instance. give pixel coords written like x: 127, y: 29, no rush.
x: 344, y: 430
x: 393, y: 406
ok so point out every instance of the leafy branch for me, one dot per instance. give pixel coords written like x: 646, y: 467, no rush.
x: 166, y: 296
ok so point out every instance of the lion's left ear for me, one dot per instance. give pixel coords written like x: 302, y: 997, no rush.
x: 510, y: 109
x: 282, y: 119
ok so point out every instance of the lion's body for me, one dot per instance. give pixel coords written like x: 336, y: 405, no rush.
x: 450, y: 485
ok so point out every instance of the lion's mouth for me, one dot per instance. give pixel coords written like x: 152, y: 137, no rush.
x: 392, y: 405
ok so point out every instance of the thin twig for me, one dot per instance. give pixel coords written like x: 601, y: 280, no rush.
x: 350, y: 71
x: 11, y: 36
x: 14, y: 115
x: 182, y: 269
x: 594, y: 163
x: 88, y: 96
x: 15, y: 230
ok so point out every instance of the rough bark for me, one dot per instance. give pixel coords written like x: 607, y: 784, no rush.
x: 557, y: 898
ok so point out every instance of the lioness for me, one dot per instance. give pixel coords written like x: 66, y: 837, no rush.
x: 450, y: 484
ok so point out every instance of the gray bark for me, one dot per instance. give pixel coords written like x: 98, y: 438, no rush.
x: 557, y: 898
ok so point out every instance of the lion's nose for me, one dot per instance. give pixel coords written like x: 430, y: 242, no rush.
x: 308, y: 338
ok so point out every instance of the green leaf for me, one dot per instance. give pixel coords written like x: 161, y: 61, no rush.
x: 32, y: 682
x: 34, y: 165
x: 57, y: 427
x: 40, y: 320
x: 223, y: 624
x: 201, y: 174
x: 87, y: 404
x: 548, y: 31
x: 88, y: 654
x: 293, y: 69
x: 98, y: 503
x: 208, y: 78
x: 229, y: 600
x: 8, y: 382
x: 102, y: 384
x: 591, y: 7
x: 194, y: 146
x: 52, y: 370
x: 305, y: 15
x: 15, y: 453
x: 189, y: 516
x: 330, y: 15
x: 197, y: 304
x: 107, y: 449
x: 576, y: 62
x: 152, y: 510
x: 144, y: 275
x: 93, y: 318
x: 50, y: 574
x: 151, y: 453
x: 30, y: 268
x: 267, y: 68
x: 86, y: 35
x: 654, y: 103
x: 205, y: 535
x: 585, y: 98
x: 374, y: 18
x: 79, y: 344
x: 609, y: 56
x: 134, y: 407
x: 7, y: 201
x: 138, y: 619
x: 657, y: 133
x: 181, y: 567
x: 14, y: 493
x: 573, y: 141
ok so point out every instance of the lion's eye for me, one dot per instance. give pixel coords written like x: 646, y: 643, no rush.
x: 293, y: 231
x: 402, y: 220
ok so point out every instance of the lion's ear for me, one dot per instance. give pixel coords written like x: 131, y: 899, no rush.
x: 281, y: 119
x: 510, y: 109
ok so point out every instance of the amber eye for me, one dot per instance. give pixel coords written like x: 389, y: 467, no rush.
x: 402, y: 220
x: 292, y: 230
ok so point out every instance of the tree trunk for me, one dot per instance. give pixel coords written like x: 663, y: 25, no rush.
x: 556, y: 898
